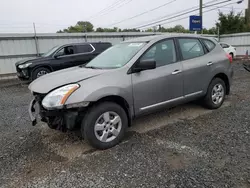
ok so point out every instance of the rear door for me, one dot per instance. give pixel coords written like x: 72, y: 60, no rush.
x: 84, y: 54
x: 195, y: 66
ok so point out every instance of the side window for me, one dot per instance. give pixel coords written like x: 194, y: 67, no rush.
x: 223, y: 45
x: 84, y: 48
x: 190, y: 48
x: 102, y: 46
x: 209, y: 44
x: 162, y: 52
x: 67, y: 50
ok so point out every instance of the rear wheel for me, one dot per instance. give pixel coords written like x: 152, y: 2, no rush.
x: 39, y: 72
x: 215, y: 94
x: 104, y: 125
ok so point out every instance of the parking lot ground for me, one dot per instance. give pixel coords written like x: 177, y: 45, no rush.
x: 187, y: 146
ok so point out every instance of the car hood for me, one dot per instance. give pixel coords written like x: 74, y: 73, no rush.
x: 32, y: 60
x: 56, y: 79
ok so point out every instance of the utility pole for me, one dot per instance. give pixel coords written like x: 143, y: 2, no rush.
x: 218, y: 33
x: 201, y: 11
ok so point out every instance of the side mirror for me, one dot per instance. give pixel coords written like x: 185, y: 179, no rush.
x: 144, y: 65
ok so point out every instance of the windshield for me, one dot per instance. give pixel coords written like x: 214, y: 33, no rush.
x: 116, y: 56
x: 51, y: 51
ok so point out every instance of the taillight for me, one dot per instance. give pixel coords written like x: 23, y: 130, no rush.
x: 230, y: 58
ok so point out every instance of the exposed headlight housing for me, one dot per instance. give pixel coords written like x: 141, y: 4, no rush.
x: 23, y: 66
x: 58, y: 97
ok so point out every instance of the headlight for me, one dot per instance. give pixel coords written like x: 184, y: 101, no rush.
x: 24, y: 65
x: 58, y: 97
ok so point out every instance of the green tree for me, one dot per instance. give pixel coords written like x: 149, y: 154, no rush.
x: 175, y: 29
x: 232, y: 23
x: 149, y: 30
x: 99, y: 29
x: 211, y: 31
x: 81, y: 26
x: 131, y: 30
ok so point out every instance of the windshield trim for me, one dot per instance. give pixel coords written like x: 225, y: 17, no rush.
x: 51, y: 50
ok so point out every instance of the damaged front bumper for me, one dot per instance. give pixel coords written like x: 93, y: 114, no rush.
x: 63, y: 119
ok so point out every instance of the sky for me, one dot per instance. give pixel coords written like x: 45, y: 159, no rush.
x: 49, y: 16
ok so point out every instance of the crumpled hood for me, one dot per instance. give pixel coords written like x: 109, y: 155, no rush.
x: 56, y: 79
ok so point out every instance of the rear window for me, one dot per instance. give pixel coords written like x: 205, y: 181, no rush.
x: 100, y: 47
x: 86, y: 48
x: 209, y: 44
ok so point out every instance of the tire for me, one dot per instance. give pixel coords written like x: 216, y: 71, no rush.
x: 42, y: 71
x: 102, y: 113
x: 215, y: 102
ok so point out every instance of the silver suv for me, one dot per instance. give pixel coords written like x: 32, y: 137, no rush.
x: 130, y: 79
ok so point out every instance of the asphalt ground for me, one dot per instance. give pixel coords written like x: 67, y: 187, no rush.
x: 187, y: 146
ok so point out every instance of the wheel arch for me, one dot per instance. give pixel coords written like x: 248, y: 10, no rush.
x: 224, y: 77
x: 40, y: 66
x: 120, y: 101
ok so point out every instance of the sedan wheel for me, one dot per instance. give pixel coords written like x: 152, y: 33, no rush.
x: 217, y: 94
x: 108, y: 126
x: 41, y: 73
x: 104, y: 125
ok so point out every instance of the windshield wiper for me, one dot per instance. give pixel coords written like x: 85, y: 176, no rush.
x: 90, y: 67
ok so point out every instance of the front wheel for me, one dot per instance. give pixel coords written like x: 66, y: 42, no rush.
x: 215, y: 94
x: 104, y: 125
x: 39, y: 72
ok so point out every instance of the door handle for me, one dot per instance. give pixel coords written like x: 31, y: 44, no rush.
x: 176, y: 72
x: 209, y: 63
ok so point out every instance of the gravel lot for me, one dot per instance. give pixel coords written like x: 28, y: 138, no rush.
x: 187, y: 146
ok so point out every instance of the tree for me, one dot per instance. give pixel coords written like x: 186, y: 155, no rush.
x: 131, y: 30
x: 211, y: 31
x: 175, y: 29
x: 81, y: 26
x: 149, y: 30
x: 99, y: 29
x: 232, y: 23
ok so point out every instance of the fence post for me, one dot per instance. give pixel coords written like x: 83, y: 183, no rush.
x: 36, y: 41
x: 86, y: 38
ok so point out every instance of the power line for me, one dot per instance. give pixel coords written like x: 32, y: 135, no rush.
x: 115, y: 8
x: 191, y: 8
x: 172, y: 17
x: 143, y: 13
x: 112, y: 7
x: 189, y: 15
x: 105, y: 9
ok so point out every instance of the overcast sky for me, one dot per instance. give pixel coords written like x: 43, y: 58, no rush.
x: 51, y: 15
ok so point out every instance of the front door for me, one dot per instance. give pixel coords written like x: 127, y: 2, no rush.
x: 153, y: 89
x: 65, y: 57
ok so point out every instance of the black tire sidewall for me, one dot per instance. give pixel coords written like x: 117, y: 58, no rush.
x: 208, y: 99
x: 37, y: 70
x: 88, y: 123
